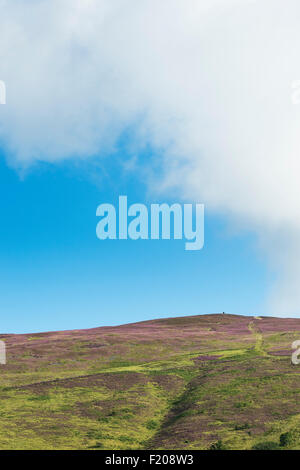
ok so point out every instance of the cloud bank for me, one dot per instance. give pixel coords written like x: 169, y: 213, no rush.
x: 206, y: 82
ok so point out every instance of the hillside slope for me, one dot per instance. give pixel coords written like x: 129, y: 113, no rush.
x: 199, y: 382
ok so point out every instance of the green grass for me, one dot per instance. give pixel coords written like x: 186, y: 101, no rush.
x: 123, y: 389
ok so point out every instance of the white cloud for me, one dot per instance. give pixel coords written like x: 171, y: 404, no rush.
x: 209, y: 82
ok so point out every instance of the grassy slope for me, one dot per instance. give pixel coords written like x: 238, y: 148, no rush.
x: 182, y: 383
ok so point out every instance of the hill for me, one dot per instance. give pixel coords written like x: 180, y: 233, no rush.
x: 209, y: 381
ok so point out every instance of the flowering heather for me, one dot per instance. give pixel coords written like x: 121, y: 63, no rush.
x: 176, y: 383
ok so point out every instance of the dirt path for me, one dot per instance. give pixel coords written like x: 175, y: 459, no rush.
x: 258, y: 339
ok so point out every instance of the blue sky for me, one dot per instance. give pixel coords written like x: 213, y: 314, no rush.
x: 169, y: 101
x: 55, y: 274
